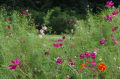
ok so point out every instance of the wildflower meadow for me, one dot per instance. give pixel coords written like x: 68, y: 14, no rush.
x: 31, y: 48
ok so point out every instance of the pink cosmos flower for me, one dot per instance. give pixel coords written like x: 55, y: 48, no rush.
x: 67, y: 76
x: 114, y: 28
x: 115, y: 41
x: 70, y: 21
x: 87, y: 54
x: 23, y: 12
x: 71, y: 63
x: 59, y: 60
x: 93, y: 63
x: 64, y: 37
x: 3, y: 7
x: 93, y: 55
x: 94, y: 69
x: 60, y: 44
x: 59, y: 40
x: 15, y: 64
x: 41, y: 31
x: 44, y: 28
x: 47, y: 53
x: 102, y: 42
x: 118, y: 67
x: 9, y: 26
x: 38, y: 23
x: 26, y: 14
x: 75, y: 57
x: 114, y: 12
x: 82, y: 55
x: 109, y: 3
x: 56, y: 45
x: 33, y: 23
x: 109, y: 18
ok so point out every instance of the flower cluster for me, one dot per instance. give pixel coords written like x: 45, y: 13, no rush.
x: 59, y: 40
x: 25, y: 12
x: 42, y: 31
x: 87, y: 55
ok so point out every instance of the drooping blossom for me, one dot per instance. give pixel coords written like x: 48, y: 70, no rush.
x: 59, y: 60
x: 102, y: 66
x: 22, y: 12
x: 109, y: 18
x: 44, y: 28
x: 82, y: 55
x: 115, y: 41
x: 109, y: 3
x: 71, y: 63
x: 70, y: 20
x: 15, y: 64
x: 9, y: 26
x: 47, y: 53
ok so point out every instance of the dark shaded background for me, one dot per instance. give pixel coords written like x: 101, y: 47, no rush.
x: 44, y: 5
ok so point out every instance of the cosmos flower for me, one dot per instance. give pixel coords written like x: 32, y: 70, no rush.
x: 15, y: 64
x: 82, y: 55
x: 109, y: 3
x: 115, y: 41
x: 22, y: 12
x: 59, y: 60
x: 71, y: 63
x: 70, y: 20
x: 9, y: 26
x: 47, y: 53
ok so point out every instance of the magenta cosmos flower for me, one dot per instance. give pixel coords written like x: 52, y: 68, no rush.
x: 109, y: 3
x: 47, y: 53
x: 102, y: 42
x: 115, y: 41
x: 59, y: 40
x: 109, y: 18
x: 57, y: 45
x: 9, y: 27
x: 114, y: 12
x: 71, y: 63
x: 82, y: 55
x: 64, y: 37
x: 15, y: 64
x: 22, y: 12
x: 59, y: 60
x: 70, y: 21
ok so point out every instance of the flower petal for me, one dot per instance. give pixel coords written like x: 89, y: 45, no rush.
x: 12, y: 66
x: 13, y: 62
